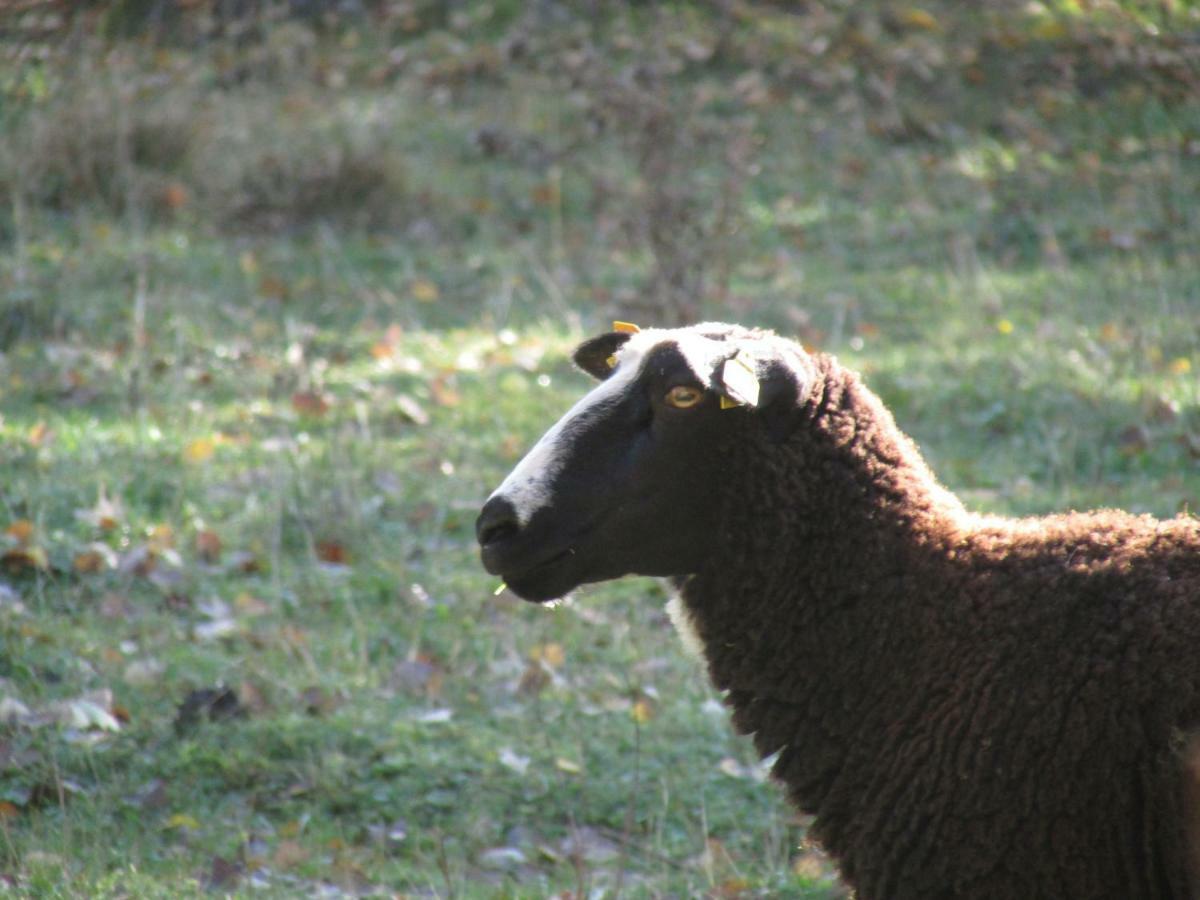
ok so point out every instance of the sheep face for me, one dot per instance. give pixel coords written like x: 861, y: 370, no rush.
x: 625, y: 482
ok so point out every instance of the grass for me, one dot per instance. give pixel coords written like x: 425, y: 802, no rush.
x: 253, y: 390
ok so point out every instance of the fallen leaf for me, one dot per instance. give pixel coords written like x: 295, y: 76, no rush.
x: 20, y: 531
x: 12, y: 710
x: 443, y: 394
x: 252, y: 698
x: 96, y: 558
x: 411, y: 410
x: 534, y: 679
x: 589, y: 845
x: 182, y: 820
x: 1133, y: 440
x: 500, y: 858
x: 243, y: 561
x: 161, y: 537
x: 249, y: 605
x: 567, y: 765
x: 21, y: 559
x: 310, y: 403
x: 144, y: 672
x: 208, y: 546
x: 317, y: 701
x: 551, y: 654
x: 273, y: 287
x: 222, y: 874
x: 93, y: 710
x: 39, y: 434
x: 140, y: 561
x: 333, y: 552
x: 642, y: 711
x: 510, y: 759
x: 424, y: 290
x: 434, y: 716
x: 289, y: 854
x: 199, y: 451
x: 417, y: 676
x: 175, y: 195
x: 919, y: 18
x: 151, y: 795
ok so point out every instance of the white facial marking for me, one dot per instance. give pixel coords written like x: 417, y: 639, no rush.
x: 527, y: 487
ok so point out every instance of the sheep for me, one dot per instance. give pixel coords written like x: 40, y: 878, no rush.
x: 967, y: 705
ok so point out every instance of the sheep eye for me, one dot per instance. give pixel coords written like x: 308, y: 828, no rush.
x: 684, y: 397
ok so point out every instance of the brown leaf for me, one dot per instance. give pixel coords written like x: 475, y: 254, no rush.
x: 222, y: 874
x: 310, y: 403
x: 151, y: 795
x: 1133, y: 440
x: 140, y: 561
x: 199, y: 451
x: 442, y: 392
x: 175, y: 195
x: 96, y: 558
x: 418, y: 676
x: 39, y: 434
x: 208, y: 546
x: 534, y: 679
x: 318, y: 702
x: 20, y: 531
x: 333, y: 552
x: 551, y: 654
x: 252, y: 698
x: 243, y: 561
x: 273, y: 287
x: 21, y: 559
x: 289, y: 854
x: 105, y: 515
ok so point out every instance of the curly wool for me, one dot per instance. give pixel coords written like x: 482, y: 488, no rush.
x: 969, y: 706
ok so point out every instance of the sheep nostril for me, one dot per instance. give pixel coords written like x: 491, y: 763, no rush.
x: 497, y: 522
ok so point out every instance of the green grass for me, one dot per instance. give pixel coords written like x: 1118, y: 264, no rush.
x: 331, y: 388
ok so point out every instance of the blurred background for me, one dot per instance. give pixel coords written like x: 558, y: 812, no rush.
x: 287, y: 287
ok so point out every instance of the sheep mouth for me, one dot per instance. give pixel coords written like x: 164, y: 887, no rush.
x: 544, y: 581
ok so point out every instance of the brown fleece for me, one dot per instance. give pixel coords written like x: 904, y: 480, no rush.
x: 970, y: 706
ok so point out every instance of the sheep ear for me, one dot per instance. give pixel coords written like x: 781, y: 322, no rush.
x: 781, y: 384
x: 597, y: 356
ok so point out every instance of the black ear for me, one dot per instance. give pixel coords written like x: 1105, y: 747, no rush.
x: 783, y: 382
x: 595, y: 356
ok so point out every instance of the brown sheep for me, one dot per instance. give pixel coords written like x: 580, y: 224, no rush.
x: 969, y: 706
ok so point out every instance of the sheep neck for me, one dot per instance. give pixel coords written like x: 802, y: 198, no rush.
x: 805, y: 619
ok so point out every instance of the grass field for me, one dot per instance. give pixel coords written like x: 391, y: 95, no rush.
x: 279, y: 307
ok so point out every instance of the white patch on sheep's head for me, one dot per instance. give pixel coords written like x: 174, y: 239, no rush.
x: 621, y: 466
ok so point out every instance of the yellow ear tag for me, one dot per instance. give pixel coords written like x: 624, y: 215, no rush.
x: 612, y: 361
x: 726, y: 403
x: 740, y: 380
x: 626, y: 327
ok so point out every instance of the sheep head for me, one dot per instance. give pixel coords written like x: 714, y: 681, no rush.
x: 627, y: 481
